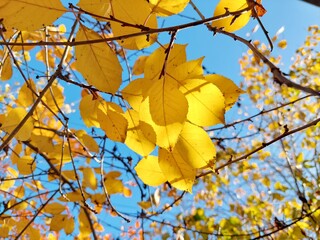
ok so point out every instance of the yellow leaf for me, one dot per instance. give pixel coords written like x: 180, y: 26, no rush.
x: 155, y: 61
x: 282, y: 44
x: 97, y: 63
x: 88, y: 111
x: 126, y: 10
x: 178, y: 172
x: 54, y: 208
x: 30, y: 15
x: 100, y: 7
x: 138, y: 67
x: 26, y: 165
x: 69, y: 227
x: 231, y: 23
x: 43, y: 143
x: 73, y: 197
x: 54, y: 98
x: 206, y: 102
x: 89, y: 178
x: 187, y: 70
x: 165, y: 111
x: 145, y: 204
x: 113, y: 185
x: 196, y: 147
x: 4, y: 231
x: 5, y: 66
x: 87, y: 141
x: 13, y: 119
x: 112, y: 122
x: 229, y: 90
x: 84, y: 225
x: 149, y: 171
x: 58, y: 222
x: 168, y: 7
x: 19, y: 192
x: 127, y: 192
x: 135, y: 138
x: 133, y: 92
x: 25, y: 96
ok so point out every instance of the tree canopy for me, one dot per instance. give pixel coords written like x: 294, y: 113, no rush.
x: 102, y: 108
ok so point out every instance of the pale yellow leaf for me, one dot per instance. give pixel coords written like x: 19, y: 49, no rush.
x: 26, y: 165
x: 30, y: 14
x: 84, y: 225
x: 15, y: 116
x: 165, y: 111
x: 168, y: 7
x: 136, y: 12
x: 231, y: 23
x: 135, y: 138
x: 206, y: 102
x: 155, y: 61
x: 133, y: 92
x: 97, y: 63
x: 229, y: 90
x: 178, y: 172
x: 187, y: 70
x: 87, y: 141
x: 196, y: 147
x: 112, y: 122
x: 113, y: 185
x: 149, y: 171
x: 54, y: 98
x: 26, y: 97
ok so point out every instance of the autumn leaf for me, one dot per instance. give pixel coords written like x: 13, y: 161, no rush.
x: 149, y: 171
x: 97, y: 63
x: 126, y: 11
x: 231, y: 23
x: 168, y: 7
x: 39, y: 13
x: 178, y: 172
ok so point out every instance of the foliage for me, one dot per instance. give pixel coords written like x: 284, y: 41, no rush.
x: 151, y: 118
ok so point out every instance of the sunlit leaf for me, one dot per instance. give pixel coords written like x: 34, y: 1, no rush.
x: 89, y: 178
x: 26, y: 97
x: 5, y: 66
x: 101, y: 7
x: 178, y: 172
x: 138, y: 67
x: 98, y: 63
x: 149, y: 171
x: 187, y: 70
x: 231, y: 23
x: 206, y: 102
x: 229, y: 90
x: 196, y: 147
x: 126, y: 10
x: 88, y: 109
x: 37, y: 12
x: 13, y: 119
x: 135, y: 139
x: 168, y: 7
x: 54, y: 208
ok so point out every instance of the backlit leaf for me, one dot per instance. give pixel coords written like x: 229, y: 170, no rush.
x: 133, y: 92
x: 97, y: 63
x: 88, y: 109
x: 112, y: 122
x: 26, y: 96
x: 206, y: 102
x: 138, y: 67
x: 38, y: 13
x: 54, y: 208
x: 135, y: 139
x: 100, y: 7
x: 13, y: 119
x: 87, y: 141
x: 229, y: 90
x: 58, y: 222
x: 187, y: 70
x: 149, y: 171
x: 231, y: 23
x: 168, y: 7
x: 178, y: 172
x: 126, y: 10
x: 5, y: 66
x: 196, y: 147
x: 155, y: 61
x: 89, y: 178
